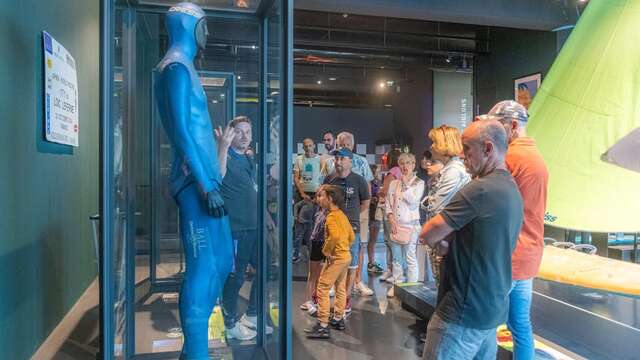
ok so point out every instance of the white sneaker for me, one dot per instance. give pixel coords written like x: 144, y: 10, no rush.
x: 391, y: 292
x: 306, y: 305
x: 363, y: 289
x: 312, y: 310
x: 251, y: 322
x: 240, y: 332
x: 385, y: 275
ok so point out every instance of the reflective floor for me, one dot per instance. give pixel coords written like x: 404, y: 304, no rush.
x: 378, y: 328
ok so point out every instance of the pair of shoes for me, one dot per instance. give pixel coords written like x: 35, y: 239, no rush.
x: 306, y: 305
x: 337, y: 324
x: 347, y: 307
x: 385, y: 275
x: 391, y: 292
x: 362, y: 289
x: 318, y: 331
x: 252, y: 323
x: 240, y: 332
x: 313, y: 310
x: 374, y: 268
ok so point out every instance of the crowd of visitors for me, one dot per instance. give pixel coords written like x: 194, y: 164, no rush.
x: 466, y: 216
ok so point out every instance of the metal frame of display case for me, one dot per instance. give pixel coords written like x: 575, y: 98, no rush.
x: 106, y: 186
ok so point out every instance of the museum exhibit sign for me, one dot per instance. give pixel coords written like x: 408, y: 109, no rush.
x: 60, y: 93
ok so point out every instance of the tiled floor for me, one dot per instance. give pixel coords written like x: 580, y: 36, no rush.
x: 378, y: 328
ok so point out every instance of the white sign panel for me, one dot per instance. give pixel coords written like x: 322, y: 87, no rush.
x: 60, y: 93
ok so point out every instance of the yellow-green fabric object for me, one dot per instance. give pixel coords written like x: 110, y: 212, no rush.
x: 589, y: 100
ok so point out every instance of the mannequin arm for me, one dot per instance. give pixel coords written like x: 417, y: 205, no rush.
x: 179, y: 107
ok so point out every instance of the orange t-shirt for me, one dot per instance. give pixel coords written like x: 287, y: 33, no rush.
x: 530, y: 173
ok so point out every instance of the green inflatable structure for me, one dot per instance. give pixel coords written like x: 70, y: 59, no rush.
x: 585, y: 119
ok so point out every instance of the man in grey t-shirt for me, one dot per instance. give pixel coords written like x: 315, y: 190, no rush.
x: 485, y: 217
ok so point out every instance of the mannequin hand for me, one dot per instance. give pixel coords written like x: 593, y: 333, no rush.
x: 224, y: 137
x: 215, y: 204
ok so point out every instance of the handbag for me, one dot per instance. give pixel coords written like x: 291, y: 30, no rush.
x: 403, y: 233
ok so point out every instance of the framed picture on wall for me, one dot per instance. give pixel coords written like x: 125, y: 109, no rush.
x: 525, y: 88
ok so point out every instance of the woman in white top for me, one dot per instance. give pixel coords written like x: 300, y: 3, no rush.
x: 402, y: 210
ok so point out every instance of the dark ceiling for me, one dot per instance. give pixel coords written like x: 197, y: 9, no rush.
x: 341, y: 58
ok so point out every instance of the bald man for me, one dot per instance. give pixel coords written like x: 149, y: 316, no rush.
x: 485, y: 217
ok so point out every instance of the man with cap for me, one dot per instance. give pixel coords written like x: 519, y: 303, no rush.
x: 357, y: 198
x: 528, y: 169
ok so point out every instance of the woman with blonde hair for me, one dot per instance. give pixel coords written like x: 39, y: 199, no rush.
x: 402, y: 211
x: 446, y: 148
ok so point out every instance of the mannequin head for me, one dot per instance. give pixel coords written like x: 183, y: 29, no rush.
x: 187, y: 27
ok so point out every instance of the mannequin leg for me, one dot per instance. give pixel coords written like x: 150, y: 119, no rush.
x: 208, y: 254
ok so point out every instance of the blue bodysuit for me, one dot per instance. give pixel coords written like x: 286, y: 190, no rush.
x: 195, y: 176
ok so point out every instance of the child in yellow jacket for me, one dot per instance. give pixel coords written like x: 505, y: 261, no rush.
x: 338, y: 239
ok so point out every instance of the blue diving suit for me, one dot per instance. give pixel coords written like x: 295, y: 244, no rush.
x: 195, y: 176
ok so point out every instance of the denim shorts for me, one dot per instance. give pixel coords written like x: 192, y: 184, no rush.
x: 355, y: 249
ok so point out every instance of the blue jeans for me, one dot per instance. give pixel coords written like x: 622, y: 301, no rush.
x: 355, y: 251
x: 519, y: 321
x: 405, y: 260
x: 446, y: 341
x: 301, y: 235
x: 246, y: 253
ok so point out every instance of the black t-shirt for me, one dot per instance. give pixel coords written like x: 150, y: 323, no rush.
x: 487, y: 216
x: 355, y: 190
x: 240, y: 192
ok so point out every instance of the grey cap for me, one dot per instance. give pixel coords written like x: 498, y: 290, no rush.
x: 507, y: 109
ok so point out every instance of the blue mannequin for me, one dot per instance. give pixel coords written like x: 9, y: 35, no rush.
x: 195, y: 176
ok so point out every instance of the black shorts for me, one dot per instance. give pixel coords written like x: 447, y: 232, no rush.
x: 316, y: 251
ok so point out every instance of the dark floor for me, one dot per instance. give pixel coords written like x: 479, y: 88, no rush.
x: 378, y: 328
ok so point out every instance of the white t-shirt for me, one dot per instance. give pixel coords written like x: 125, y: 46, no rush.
x: 309, y: 169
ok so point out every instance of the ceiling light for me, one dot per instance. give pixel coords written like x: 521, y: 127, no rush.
x: 332, y: 79
x: 253, y: 47
x: 448, y: 60
x: 221, y: 95
x: 319, y: 82
x: 239, y: 77
x: 381, y: 85
x: 345, y: 15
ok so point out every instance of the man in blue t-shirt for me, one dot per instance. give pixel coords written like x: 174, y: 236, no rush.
x: 240, y: 192
x: 485, y: 217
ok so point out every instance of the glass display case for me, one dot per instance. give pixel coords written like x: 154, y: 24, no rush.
x: 245, y: 70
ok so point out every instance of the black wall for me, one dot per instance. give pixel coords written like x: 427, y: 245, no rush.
x: 367, y: 125
x: 514, y: 53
